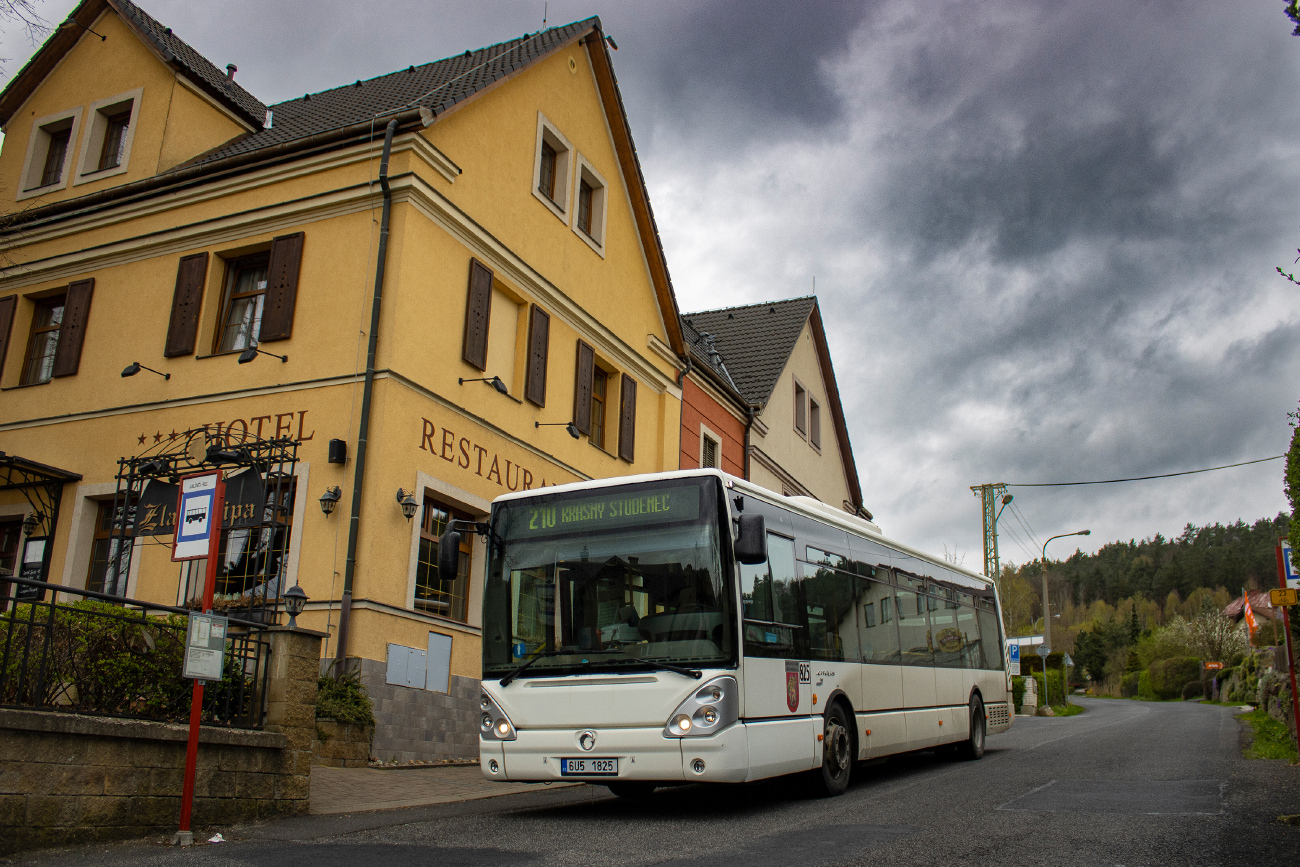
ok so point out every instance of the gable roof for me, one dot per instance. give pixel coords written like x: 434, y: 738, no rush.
x: 351, y: 115
x: 170, y: 49
x: 756, y: 340
x: 438, y: 86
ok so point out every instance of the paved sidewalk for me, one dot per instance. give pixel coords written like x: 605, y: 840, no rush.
x: 354, y: 790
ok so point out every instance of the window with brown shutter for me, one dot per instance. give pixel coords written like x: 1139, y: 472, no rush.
x: 627, y: 420
x: 182, y: 331
x: 582, y: 388
x: 478, y: 310
x: 7, y: 308
x: 281, y: 288
x: 539, y: 333
x: 243, y: 303
x: 72, y: 333
x: 599, y: 405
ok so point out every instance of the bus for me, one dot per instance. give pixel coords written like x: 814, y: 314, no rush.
x: 690, y: 627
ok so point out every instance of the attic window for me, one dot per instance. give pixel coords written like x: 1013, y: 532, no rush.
x: 552, y: 168
x: 589, y: 211
x: 107, y: 151
x: 49, y: 153
x: 814, y: 423
x: 800, y: 409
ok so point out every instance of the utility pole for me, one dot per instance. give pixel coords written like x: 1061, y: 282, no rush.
x: 990, y: 495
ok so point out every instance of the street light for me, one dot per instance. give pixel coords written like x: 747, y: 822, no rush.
x: 1047, y: 618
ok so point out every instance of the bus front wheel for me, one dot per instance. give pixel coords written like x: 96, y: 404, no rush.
x: 973, y: 747
x: 837, y: 750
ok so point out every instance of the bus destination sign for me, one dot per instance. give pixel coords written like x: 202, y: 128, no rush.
x: 587, y: 514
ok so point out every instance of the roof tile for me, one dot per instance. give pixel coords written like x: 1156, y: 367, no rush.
x: 755, y: 340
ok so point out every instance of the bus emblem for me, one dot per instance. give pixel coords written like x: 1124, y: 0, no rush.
x: 792, y: 686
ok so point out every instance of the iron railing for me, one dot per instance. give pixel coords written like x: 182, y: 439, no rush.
x: 110, y: 656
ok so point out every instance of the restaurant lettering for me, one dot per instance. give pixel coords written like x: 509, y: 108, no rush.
x: 470, y: 456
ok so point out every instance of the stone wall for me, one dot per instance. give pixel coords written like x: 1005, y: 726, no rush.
x: 341, y: 745
x: 417, y: 724
x: 69, y: 779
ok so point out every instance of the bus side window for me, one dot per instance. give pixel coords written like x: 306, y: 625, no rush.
x: 832, y: 620
x: 756, y: 591
x: 877, y: 630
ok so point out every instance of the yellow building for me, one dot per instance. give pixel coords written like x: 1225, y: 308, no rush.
x: 160, y: 215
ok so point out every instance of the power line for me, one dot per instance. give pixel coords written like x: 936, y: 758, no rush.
x: 1139, y: 478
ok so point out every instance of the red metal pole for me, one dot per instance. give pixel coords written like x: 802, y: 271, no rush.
x: 196, y: 702
x: 1290, y: 655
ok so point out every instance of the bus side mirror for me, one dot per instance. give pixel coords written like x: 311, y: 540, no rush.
x: 448, y: 554
x: 751, y: 541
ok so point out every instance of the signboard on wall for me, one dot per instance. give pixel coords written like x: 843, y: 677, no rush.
x: 194, y: 518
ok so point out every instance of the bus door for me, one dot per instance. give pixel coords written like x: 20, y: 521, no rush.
x: 777, y: 672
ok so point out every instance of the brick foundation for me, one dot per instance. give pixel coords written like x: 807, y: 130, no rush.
x: 416, y: 724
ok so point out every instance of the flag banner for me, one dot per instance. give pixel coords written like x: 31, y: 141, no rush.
x: 1250, y: 614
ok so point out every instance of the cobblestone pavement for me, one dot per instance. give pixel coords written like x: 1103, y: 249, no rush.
x: 355, y: 790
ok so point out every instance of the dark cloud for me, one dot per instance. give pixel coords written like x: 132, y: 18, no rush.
x: 1042, y: 233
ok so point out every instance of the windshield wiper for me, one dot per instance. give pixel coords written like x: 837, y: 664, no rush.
x: 693, y: 673
x: 505, y: 681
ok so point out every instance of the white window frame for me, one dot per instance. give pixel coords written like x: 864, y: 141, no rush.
x: 798, y: 387
x: 599, y: 204
x: 564, y: 151
x: 87, y: 170
x: 717, y: 441
x: 38, y: 143
x: 472, y: 504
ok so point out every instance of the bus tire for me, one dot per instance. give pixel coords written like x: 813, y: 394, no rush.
x: 631, y: 789
x: 973, y: 747
x: 837, y: 750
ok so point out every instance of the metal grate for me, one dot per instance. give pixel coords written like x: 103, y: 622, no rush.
x: 997, y: 714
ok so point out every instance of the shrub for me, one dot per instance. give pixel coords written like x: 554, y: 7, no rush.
x: 1018, y: 691
x: 343, y: 698
x: 1128, y: 685
x: 1144, y: 686
x: 1193, y: 689
x: 1168, y: 676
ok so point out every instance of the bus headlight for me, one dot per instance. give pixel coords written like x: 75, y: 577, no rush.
x: 494, y: 724
x: 708, y: 710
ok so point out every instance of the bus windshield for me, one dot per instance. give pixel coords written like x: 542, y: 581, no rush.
x: 608, y: 580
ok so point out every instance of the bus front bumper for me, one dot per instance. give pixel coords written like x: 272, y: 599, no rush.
x: 643, y: 754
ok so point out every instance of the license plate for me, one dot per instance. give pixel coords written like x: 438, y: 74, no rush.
x: 589, y: 767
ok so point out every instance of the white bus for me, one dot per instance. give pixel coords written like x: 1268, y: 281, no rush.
x: 693, y: 627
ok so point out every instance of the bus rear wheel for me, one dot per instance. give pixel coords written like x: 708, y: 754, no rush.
x: 837, y: 750
x: 632, y: 789
x: 973, y: 747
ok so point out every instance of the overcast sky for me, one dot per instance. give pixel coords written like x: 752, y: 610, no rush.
x: 1043, y: 234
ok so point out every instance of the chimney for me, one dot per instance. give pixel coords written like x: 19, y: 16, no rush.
x: 231, y: 69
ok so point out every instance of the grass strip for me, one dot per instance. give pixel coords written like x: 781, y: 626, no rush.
x: 1272, y: 739
x: 1067, y: 709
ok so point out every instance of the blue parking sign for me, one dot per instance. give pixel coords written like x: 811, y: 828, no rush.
x: 1013, y: 658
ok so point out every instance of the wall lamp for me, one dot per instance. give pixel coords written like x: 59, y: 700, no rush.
x: 494, y: 381
x: 251, y: 353
x: 568, y: 426
x: 31, y: 522
x: 406, y: 499
x: 295, y: 600
x: 330, y: 499
x: 135, y: 367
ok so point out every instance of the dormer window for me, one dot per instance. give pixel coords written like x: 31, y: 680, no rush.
x: 107, y: 150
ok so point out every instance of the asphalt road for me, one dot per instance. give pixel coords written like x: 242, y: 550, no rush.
x: 1125, y: 783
